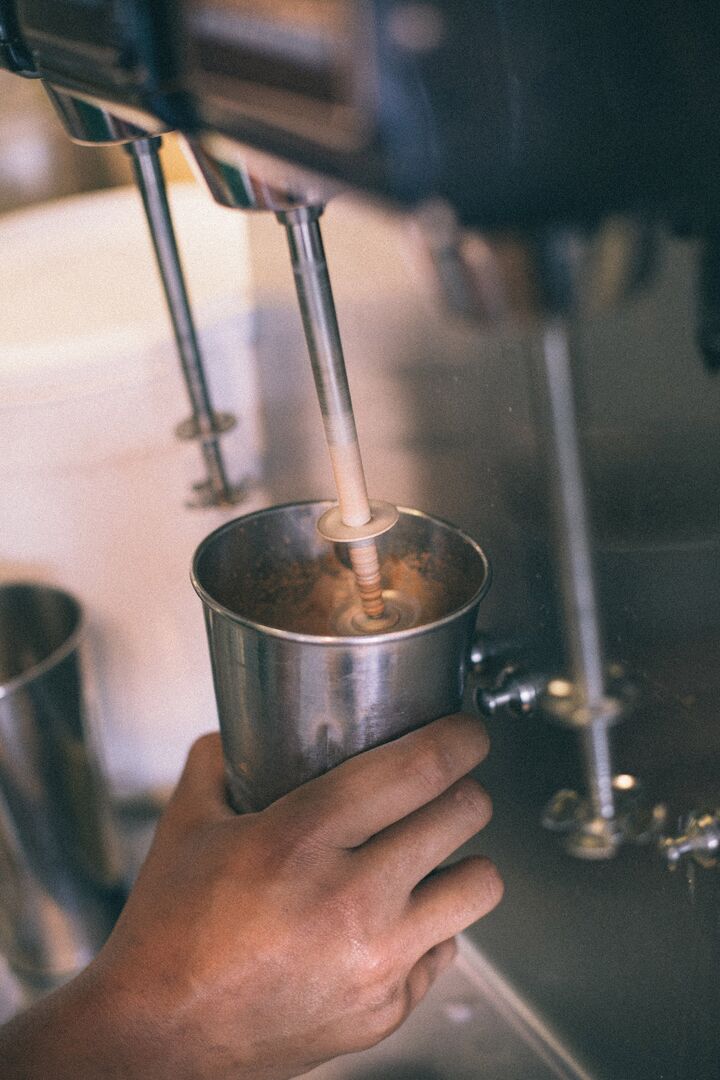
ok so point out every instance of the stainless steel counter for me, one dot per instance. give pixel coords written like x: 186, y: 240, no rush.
x: 472, y: 1024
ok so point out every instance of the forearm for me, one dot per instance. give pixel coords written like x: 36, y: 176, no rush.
x: 95, y: 1027
x: 82, y: 1031
x: 64, y: 1035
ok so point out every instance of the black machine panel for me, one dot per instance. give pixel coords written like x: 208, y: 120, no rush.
x: 516, y: 113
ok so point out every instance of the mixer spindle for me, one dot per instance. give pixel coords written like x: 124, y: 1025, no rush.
x: 205, y: 424
x: 359, y: 520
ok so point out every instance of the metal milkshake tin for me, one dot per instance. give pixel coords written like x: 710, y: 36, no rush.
x: 295, y: 697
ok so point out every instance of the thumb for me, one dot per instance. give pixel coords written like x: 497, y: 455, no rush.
x: 200, y: 794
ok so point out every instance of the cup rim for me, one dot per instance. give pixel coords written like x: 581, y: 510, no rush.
x: 333, y: 639
x: 58, y: 654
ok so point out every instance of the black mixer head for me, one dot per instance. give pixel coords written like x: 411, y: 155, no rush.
x: 520, y: 114
x: 115, y: 54
x: 515, y: 114
x: 14, y: 53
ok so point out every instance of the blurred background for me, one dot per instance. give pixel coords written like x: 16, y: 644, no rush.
x: 41, y: 163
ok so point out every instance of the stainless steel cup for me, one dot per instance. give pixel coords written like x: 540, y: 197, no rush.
x: 300, y: 685
x: 59, y: 893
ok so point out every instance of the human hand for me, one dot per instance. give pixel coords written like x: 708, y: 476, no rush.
x: 254, y: 947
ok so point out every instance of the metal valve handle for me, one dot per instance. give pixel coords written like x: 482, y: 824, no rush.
x: 700, y: 840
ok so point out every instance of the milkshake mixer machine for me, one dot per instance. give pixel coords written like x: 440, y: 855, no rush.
x: 473, y: 118
x: 539, y: 146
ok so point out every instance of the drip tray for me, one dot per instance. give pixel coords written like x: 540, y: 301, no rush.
x: 471, y: 1024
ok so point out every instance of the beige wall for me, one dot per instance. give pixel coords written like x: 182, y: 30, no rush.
x: 39, y: 162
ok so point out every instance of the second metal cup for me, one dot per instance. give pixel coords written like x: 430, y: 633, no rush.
x: 60, y: 884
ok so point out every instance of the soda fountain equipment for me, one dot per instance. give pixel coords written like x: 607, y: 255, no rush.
x: 540, y: 148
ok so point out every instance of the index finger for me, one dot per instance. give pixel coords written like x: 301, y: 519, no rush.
x: 369, y: 792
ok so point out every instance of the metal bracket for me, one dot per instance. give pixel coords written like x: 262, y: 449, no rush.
x: 590, y: 837
x: 332, y: 527
x: 614, y: 811
x: 193, y: 428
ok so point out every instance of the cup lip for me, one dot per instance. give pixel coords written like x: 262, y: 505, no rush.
x: 332, y: 639
x: 68, y: 646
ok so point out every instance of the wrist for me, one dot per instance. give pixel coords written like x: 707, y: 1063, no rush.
x: 81, y: 1031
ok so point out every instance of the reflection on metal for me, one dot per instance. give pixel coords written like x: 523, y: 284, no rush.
x: 231, y: 184
x: 512, y: 689
x: 542, y: 279
x: 503, y: 683
x: 636, y: 820
x: 572, y: 533
x: 581, y: 701
x: 89, y: 125
x: 594, y: 829
x: 587, y: 704
x: 495, y: 279
x: 700, y: 841
x: 500, y: 680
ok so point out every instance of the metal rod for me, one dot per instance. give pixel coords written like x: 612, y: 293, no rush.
x: 144, y: 154
x: 595, y: 746
x: 317, y: 308
x: 577, y: 582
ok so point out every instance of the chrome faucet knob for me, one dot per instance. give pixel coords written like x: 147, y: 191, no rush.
x: 512, y: 689
x: 701, y: 841
x: 501, y: 682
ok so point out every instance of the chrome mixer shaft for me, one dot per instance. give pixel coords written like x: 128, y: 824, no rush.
x: 205, y: 424
x: 356, y: 520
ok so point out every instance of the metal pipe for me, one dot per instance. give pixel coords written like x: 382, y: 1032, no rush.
x: 577, y: 582
x: 205, y: 424
x: 595, y: 746
x: 317, y: 308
